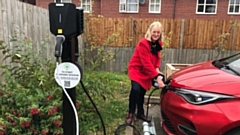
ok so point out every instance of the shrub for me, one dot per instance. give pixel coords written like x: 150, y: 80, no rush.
x: 221, y: 43
x: 31, y: 99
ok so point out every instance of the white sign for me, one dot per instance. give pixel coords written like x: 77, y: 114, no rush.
x: 67, y: 75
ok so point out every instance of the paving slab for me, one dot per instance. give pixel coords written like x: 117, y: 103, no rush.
x: 154, y: 113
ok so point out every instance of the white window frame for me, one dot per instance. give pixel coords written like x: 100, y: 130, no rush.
x: 235, y: 5
x: 155, y: 4
x: 86, y: 3
x: 64, y: 1
x: 204, y: 7
x: 125, y: 4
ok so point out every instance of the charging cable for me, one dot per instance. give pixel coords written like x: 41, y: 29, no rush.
x: 104, y: 129
x: 58, y: 52
x: 70, y: 100
x: 149, y: 99
x: 73, y: 106
x: 122, y: 127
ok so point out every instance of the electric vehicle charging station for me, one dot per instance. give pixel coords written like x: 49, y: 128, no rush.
x: 66, y: 23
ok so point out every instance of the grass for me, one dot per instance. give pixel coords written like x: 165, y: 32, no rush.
x: 109, y: 92
x: 114, y: 110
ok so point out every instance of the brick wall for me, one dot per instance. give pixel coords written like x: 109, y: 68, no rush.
x: 185, y: 9
x: 44, y: 3
x: 111, y: 9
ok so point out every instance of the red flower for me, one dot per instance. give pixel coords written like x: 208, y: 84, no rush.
x: 34, y: 111
x: 45, y: 132
x: 25, y: 124
x: 57, y: 122
x: 12, y: 112
x: 50, y: 97
x: 32, y: 129
x: 14, y: 123
x: 19, y: 114
x: 2, y: 133
x: 52, y: 110
x: 77, y: 104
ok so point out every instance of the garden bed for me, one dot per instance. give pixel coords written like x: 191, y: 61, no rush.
x: 171, y: 68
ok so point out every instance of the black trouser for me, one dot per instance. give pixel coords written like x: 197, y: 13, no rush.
x: 136, y: 97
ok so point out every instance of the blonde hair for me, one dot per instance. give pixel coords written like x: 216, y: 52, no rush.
x: 148, y: 33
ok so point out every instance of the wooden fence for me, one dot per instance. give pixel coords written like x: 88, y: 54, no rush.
x: 191, y: 34
x: 189, y: 37
x: 25, y: 21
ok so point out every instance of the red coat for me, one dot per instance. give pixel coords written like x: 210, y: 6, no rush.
x: 143, y: 64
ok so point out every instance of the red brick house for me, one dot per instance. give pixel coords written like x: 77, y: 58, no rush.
x: 180, y: 9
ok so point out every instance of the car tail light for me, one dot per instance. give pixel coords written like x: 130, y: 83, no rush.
x: 199, y: 97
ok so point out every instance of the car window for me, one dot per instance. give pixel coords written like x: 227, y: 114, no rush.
x: 231, y: 58
x: 232, y: 62
x: 236, y: 64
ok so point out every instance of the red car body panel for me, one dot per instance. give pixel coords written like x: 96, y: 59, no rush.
x: 208, y: 119
x: 181, y: 112
x: 211, y: 78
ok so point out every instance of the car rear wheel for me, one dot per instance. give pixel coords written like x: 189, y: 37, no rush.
x: 235, y: 131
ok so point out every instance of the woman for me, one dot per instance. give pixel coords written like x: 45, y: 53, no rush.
x: 143, y: 67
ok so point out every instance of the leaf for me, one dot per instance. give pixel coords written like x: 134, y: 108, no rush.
x: 18, y: 55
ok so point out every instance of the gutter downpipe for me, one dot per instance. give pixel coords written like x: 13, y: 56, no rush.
x: 101, y: 7
x: 174, y: 9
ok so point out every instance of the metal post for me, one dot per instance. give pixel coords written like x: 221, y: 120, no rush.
x: 69, y: 124
x: 66, y: 22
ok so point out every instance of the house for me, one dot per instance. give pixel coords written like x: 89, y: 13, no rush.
x: 179, y: 9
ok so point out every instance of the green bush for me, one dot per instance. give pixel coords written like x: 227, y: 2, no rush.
x: 31, y: 99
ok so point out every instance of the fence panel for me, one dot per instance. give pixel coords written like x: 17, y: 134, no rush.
x: 189, y: 37
x: 197, y: 34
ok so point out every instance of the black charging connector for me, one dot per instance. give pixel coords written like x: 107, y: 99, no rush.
x: 58, y: 48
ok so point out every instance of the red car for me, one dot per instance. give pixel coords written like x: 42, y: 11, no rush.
x: 203, y: 99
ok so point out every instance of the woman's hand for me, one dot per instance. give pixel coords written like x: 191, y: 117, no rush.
x: 160, y: 82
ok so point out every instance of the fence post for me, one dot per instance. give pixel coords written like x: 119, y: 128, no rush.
x: 233, y: 38
x: 133, y: 26
x: 181, y: 41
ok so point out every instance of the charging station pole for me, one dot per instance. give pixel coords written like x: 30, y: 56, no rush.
x: 69, y: 125
x: 66, y: 23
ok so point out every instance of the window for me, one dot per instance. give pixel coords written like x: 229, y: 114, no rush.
x: 206, y: 6
x: 128, y: 6
x: 154, y: 6
x: 234, y: 7
x: 63, y: 1
x: 86, y: 5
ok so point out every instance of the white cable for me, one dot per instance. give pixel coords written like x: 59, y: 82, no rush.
x: 70, y: 100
